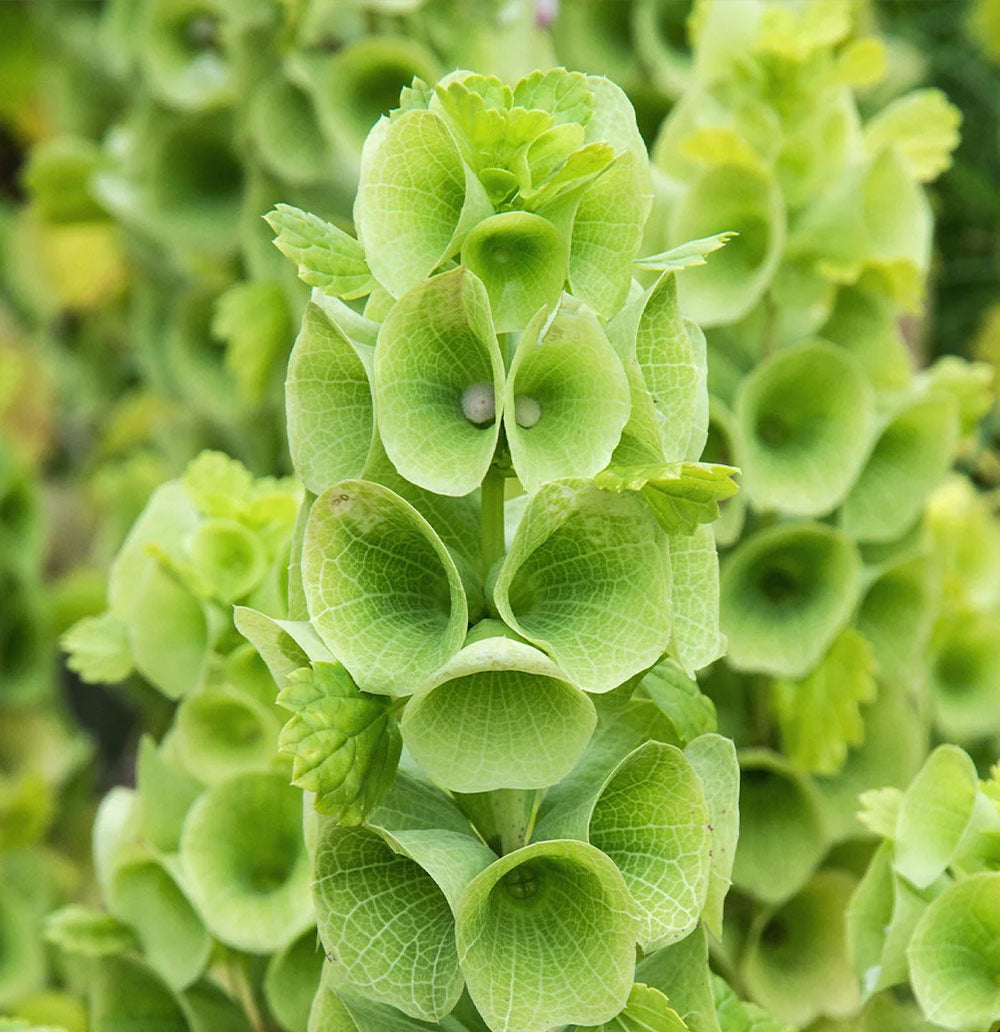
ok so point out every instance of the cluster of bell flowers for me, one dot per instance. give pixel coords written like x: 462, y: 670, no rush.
x: 511, y: 779
x: 838, y: 631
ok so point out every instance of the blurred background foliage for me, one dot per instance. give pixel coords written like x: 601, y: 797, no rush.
x: 145, y: 316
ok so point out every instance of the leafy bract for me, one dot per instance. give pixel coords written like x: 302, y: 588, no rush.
x: 587, y: 579
x: 682, y: 495
x: 806, y: 417
x: 686, y: 255
x: 98, y: 649
x: 566, y: 369
x: 922, y: 126
x: 438, y: 380
x: 682, y: 974
x: 647, y: 1010
x: 819, y: 715
x: 785, y: 594
x: 485, y: 720
x: 382, y: 590
x: 416, y: 199
x: 344, y: 744
x: 248, y: 878
x: 328, y: 400
x: 546, y: 935
x: 680, y: 700
x: 736, y: 1015
x: 326, y: 256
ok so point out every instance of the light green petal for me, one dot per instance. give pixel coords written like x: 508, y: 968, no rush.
x: 416, y: 199
x: 796, y: 963
x: 955, y: 955
x: 436, y: 347
x: 383, y: 592
x: 910, y: 458
x: 806, y: 420
x: 785, y: 594
x: 522, y: 260
x: 568, y: 368
x: 484, y: 720
x: 245, y: 863
x: 782, y: 832
x: 328, y: 399
x: 546, y: 936
x: 601, y: 610
x: 736, y: 198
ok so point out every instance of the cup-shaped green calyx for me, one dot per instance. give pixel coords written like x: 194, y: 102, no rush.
x: 328, y: 399
x: 965, y: 674
x: 384, y: 907
x: 587, y: 579
x: 173, y: 939
x: 485, y: 720
x: 566, y: 399
x: 382, y: 590
x: 416, y: 199
x: 652, y: 819
x: 785, y: 592
x: 344, y: 744
x: 244, y: 862
x: 955, y: 955
x: 806, y: 417
x: 910, y: 458
x: 439, y: 384
x: 286, y: 131
x: 738, y: 198
x: 521, y: 258
x: 796, y: 963
x: 546, y: 937
x: 782, y: 830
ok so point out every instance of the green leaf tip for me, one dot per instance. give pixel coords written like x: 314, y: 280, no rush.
x: 687, y: 255
x: 344, y: 744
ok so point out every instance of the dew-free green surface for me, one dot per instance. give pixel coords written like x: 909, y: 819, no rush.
x: 587, y: 579
x: 437, y: 341
x: 566, y: 364
x: 382, y: 590
x: 546, y: 936
x: 486, y: 720
x: 647, y: 1010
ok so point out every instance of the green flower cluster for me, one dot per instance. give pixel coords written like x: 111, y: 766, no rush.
x: 831, y: 602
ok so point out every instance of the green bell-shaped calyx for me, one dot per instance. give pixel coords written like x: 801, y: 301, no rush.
x: 785, y: 593
x: 484, y: 720
x: 344, y: 744
x: 438, y: 380
x: 965, y: 674
x: 383, y: 592
x: 521, y: 259
x: 546, y: 935
x: 587, y: 579
x: 566, y: 398
x: 417, y: 199
x: 806, y: 417
x: 248, y: 877
x: 954, y: 955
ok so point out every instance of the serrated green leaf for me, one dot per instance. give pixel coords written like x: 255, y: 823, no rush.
x: 687, y: 255
x: 565, y: 95
x: 682, y: 495
x: 254, y: 321
x: 680, y: 700
x: 587, y: 579
x: 383, y: 592
x: 819, y: 716
x: 682, y: 974
x: 344, y: 744
x: 326, y: 256
x: 923, y: 126
x: 98, y: 649
x: 647, y: 1010
x: 879, y: 811
x: 566, y: 368
x: 736, y: 1015
x: 438, y: 382
x: 546, y: 936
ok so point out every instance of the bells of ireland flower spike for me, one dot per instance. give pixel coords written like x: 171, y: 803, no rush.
x: 785, y: 592
x: 805, y: 421
x: 735, y: 197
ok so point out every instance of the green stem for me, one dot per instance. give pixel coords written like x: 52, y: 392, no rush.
x: 492, y: 545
